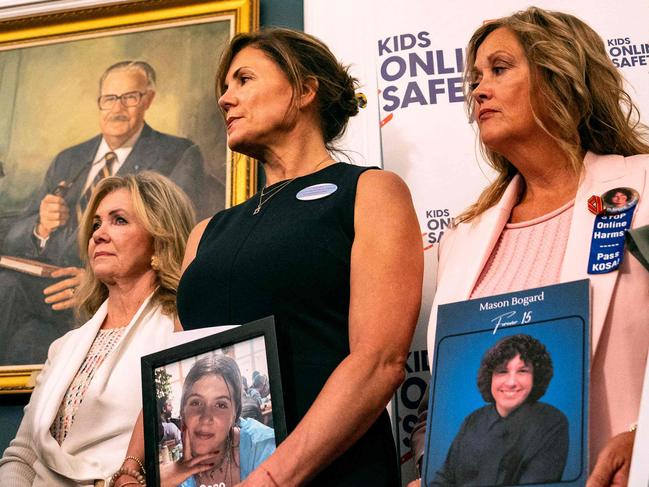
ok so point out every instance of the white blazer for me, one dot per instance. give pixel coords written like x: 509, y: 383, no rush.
x: 619, y: 299
x: 97, y: 441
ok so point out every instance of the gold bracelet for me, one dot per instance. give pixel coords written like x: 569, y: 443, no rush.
x: 131, y: 473
x: 136, y: 460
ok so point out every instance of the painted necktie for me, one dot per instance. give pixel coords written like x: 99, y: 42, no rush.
x: 104, y: 172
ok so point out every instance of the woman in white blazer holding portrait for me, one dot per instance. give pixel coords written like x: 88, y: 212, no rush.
x: 550, y: 108
x: 78, y: 423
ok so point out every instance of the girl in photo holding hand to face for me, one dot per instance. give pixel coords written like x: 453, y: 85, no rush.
x: 212, y: 428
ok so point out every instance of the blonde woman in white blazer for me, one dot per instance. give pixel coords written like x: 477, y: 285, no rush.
x: 79, y: 420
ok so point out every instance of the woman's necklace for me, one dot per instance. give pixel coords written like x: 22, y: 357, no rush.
x: 276, y: 190
x: 223, y: 469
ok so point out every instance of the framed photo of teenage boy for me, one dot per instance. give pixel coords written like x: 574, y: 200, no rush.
x: 508, y: 400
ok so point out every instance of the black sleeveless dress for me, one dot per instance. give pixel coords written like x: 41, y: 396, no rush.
x: 292, y: 260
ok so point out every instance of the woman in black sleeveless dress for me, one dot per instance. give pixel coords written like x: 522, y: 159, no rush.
x: 333, y: 251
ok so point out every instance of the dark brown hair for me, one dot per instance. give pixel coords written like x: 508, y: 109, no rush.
x: 301, y: 56
x: 218, y: 366
x: 608, y: 196
x: 531, y: 351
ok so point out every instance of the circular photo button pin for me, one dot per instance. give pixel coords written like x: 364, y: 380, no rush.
x: 618, y: 200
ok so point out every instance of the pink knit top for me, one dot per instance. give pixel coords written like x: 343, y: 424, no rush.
x: 528, y: 254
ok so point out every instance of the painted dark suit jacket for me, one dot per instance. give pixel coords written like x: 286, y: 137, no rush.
x: 178, y: 158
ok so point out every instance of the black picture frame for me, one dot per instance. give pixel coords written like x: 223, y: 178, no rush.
x: 227, y: 340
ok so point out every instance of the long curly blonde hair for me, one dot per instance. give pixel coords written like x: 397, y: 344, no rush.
x: 165, y: 211
x: 583, y: 96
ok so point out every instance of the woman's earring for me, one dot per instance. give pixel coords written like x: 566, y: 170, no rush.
x: 155, y: 263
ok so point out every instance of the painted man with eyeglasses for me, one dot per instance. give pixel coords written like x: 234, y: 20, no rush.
x: 47, y: 229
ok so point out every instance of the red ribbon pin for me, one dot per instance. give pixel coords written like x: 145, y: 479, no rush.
x: 596, y: 205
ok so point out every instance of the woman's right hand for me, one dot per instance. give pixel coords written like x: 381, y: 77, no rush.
x: 415, y: 483
x: 614, y: 462
x: 173, y: 474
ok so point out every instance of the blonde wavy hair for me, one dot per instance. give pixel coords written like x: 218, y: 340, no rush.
x: 584, y: 101
x: 165, y: 211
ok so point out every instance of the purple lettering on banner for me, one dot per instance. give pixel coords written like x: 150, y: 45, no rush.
x: 424, y: 39
x: 635, y: 49
x: 631, y: 61
x: 441, y: 68
x: 459, y: 59
x: 437, y: 213
x: 438, y: 221
x: 434, y: 89
x: 419, y: 66
x: 383, y: 46
x: 620, y: 41
x: 413, y: 95
x: 427, y: 65
x: 388, y: 96
x: 624, y: 54
x: 401, y: 68
x: 408, y: 41
x: 403, y: 42
x: 455, y: 93
x: 416, y: 385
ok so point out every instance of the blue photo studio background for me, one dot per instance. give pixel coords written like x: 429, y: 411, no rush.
x: 455, y: 392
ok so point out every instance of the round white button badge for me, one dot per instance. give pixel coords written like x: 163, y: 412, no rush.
x: 316, y: 191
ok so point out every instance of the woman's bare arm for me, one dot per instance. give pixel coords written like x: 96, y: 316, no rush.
x: 386, y: 282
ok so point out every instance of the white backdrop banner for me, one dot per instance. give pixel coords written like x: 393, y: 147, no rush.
x: 409, y: 59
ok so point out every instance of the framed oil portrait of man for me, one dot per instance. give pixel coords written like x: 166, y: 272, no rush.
x: 215, y: 400
x: 112, y: 89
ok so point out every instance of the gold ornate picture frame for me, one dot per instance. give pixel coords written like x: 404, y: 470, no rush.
x: 50, y: 65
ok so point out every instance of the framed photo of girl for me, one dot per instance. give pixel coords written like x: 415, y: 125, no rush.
x: 135, y: 77
x: 213, y: 405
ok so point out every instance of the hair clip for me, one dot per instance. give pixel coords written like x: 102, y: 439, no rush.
x: 361, y: 100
